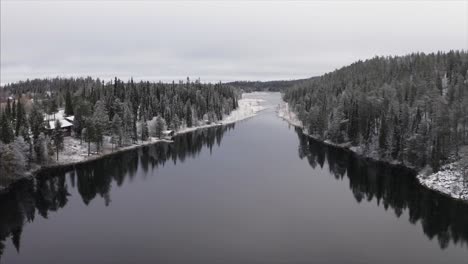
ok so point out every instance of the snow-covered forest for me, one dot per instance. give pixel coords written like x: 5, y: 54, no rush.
x: 408, y: 109
x: 125, y: 112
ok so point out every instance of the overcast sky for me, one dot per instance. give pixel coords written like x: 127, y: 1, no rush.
x: 217, y: 40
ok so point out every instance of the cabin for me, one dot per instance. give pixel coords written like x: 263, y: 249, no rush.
x: 65, y: 127
x: 65, y: 121
x: 70, y: 119
x: 168, y: 133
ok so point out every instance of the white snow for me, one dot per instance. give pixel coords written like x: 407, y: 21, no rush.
x: 248, y: 107
x: 285, y: 113
x: 449, y: 180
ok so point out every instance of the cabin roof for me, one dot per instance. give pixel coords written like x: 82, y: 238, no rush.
x: 64, y: 124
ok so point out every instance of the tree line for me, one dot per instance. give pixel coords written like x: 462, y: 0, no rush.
x: 267, y: 86
x: 412, y: 109
x: 125, y: 112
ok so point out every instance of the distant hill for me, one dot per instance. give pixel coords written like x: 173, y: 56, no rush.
x: 272, y: 86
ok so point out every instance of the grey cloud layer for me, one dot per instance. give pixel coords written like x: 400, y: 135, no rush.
x: 217, y: 41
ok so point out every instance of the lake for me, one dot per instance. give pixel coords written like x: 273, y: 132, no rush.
x: 257, y: 191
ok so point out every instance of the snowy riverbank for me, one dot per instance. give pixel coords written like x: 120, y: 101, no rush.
x: 75, y: 153
x: 448, y: 181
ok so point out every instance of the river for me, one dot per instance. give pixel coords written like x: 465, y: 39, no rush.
x: 257, y: 191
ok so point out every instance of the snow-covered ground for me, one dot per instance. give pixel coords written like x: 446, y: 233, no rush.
x: 449, y: 180
x: 284, y: 112
x: 74, y: 152
x: 249, y: 106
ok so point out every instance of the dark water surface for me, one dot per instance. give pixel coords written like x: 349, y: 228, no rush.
x: 254, y: 192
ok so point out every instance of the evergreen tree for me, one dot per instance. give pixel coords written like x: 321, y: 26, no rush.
x: 176, y: 123
x: 12, y: 161
x: 53, y: 107
x: 144, y: 131
x: 188, y: 114
x: 40, y: 149
x: 36, y: 119
x: 88, y: 134
x: 58, y: 137
x: 20, y: 118
x: 68, y: 104
x: 6, y: 131
x: 117, y: 132
x: 159, y: 127
x: 8, y: 112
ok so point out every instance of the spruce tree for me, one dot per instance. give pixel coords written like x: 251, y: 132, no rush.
x: 6, y: 131
x: 144, y: 131
x: 20, y: 118
x: 159, y: 127
x: 68, y: 104
x: 58, y: 137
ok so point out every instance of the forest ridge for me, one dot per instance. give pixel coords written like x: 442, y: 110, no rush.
x: 411, y: 109
x: 116, y: 109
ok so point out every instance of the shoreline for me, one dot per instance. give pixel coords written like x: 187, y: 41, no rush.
x: 428, y: 182
x: 247, y: 109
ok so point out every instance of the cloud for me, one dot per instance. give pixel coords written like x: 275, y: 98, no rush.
x: 217, y: 40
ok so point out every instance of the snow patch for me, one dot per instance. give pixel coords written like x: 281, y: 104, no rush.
x: 285, y: 113
x: 449, y: 181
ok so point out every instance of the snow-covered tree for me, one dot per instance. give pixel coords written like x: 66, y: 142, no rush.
x: 160, y: 125
x: 6, y: 131
x: 58, y: 138
x: 144, y: 131
x: 12, y: 161
x: 117, y: 131
x: 40, y: 149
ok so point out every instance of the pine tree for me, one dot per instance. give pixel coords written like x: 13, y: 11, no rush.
x: 127, y: 124
x: 40, y: 149
x: 117, y: 132
x: 6, y: 131
x: 188, y: 114
x: 68, y: 104
x: 13, y: 109
x: 36, y: 120
x: 20, y: 118
x: 159, y: 127
x: 53, y: 108
x: 58, y: 137
x: 100, y: 121
x: 176, y: 123
x: 8, y: 112
x: 144, y: 131
x: 12, y: 161
x: 88, y: 133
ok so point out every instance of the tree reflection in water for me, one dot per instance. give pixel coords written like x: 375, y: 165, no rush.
x: 48, y: 192
x: 392, y: 187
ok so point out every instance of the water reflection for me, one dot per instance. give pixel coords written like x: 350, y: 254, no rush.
x: 50, y: 191
x: 392, y: 188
